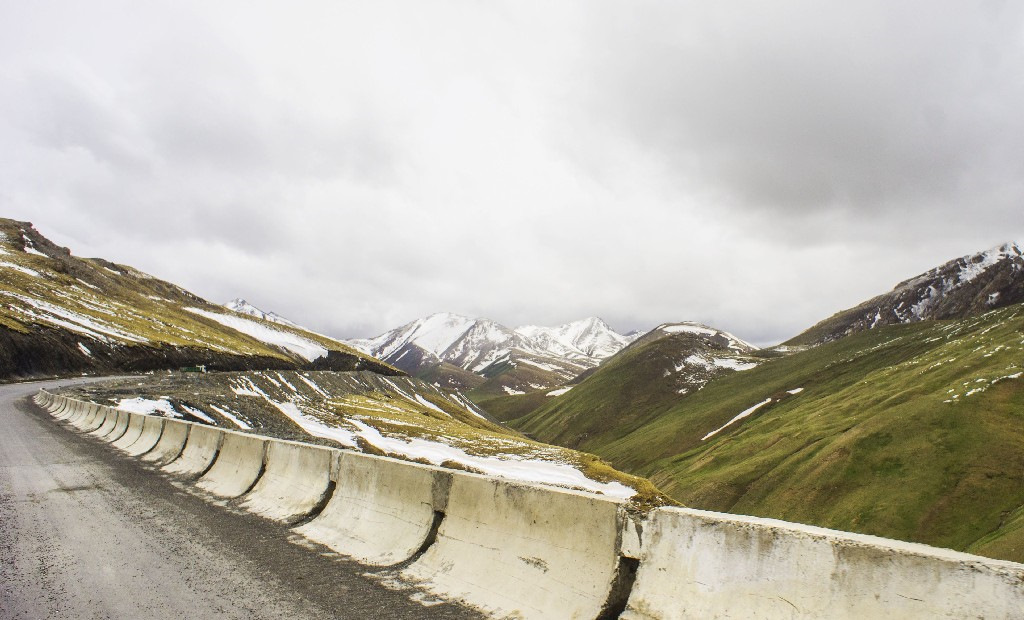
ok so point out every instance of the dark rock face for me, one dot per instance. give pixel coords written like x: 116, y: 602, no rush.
x: 961, y: 288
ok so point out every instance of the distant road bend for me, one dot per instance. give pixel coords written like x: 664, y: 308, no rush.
x: 88, y: 533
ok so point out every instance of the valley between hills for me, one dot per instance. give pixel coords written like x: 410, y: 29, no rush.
x: 902, y: 417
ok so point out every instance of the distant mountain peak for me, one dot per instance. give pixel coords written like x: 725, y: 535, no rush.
x: 959, y: 288
x: 243, y: 307
x: 487, y: 348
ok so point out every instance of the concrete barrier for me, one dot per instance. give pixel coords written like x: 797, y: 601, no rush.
x: 152, y: 429
x: 63, y: 410
x: 107, y: 425
x: 523, y: 551
x: 96, y: 420
x: 697, y: 564
x: 71, y: 408
x: 83, y: 420
x: 81, y: 410
x: 199, y: 452
x: 239, y: 464
x: 173, y: 436
x: 120, y: 426
x: 381, y: 511
x: 132, y: 432
x: 296, y: 480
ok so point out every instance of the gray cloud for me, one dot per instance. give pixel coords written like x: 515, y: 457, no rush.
x: 355, y: 166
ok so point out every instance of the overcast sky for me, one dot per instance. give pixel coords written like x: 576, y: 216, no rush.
x: 352, y: 166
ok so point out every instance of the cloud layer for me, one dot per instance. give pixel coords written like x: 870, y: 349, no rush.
x: 355, y: 165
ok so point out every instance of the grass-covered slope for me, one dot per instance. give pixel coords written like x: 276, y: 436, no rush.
x: 402, y: 417
x: 671, y: 363
x: 61, y: 314
x: 913, y: 432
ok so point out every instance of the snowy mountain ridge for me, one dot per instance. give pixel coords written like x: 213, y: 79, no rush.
x: 243, y: 307
x: 485, y: 347
x: 955, y: 289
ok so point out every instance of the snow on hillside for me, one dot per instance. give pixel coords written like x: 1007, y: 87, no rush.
x: 688, y: 327
x: 243, y: 307
x: 291, y: 342
x: 476, y: 344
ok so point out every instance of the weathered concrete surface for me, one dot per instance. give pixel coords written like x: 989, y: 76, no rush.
x: 381, y: 511
x: 199, y: 452
x: 120, y: 426
x: 109, y: 420
x: 295, y: 481
x: 698, y: 564
x: 172, y: 442
x: 87, y: 533
x: 82, y: 422
x: 239, y: 463
x: 97, y: 419
x: 152, y: 428
x: 522, y: 551
x: 132, y: 433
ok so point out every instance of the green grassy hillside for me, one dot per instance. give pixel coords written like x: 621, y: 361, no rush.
x: 913, y: 432
x: 632, y: 387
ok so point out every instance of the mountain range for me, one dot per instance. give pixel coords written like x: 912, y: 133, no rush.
x: 901, y: 417
x: 463, y: 353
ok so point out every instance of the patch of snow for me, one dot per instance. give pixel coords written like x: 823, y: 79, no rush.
x: 72, y: 320
x: 227, y: 414
x: 733, y: 364
x: 16, y: 267
x: 514, y: 468
x: 316, y: 388
x: 795, y: 391
x: 199, y: 413
x: 737, y: 418
x: 541, y: 365
x: 512, y: 391
x: 315, y: 427
x: 429, y: 405
x: 298, y: 345
x: 84, y: 349
x: 559, y: 391
x: 148, y: 406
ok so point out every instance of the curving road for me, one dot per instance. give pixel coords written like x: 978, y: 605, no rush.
x: 87, y: 533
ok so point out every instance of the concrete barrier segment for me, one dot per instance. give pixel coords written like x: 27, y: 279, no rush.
x: 382, y: 510
x: 133, y: 432
x: 295, y: 482
x: 109, y: 420
x: 63, y: 409
x: 120, y: 426
x: 199, y: 452
x: 71, y: 409
x: 238, y: 465
x: 172, y: 442
x: 83, y: 421
x: 698, y: 564
x: 80, y: 410
x: 152, y: 429
x: 97, y: 419
x: 523, y: 551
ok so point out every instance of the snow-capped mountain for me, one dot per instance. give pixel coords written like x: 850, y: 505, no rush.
x: 242, y: 306
x: 960, y: 288
x: 516, y: 360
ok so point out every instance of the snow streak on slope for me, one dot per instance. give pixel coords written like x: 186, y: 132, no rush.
x: 241, y: 306
x: 291, y: 342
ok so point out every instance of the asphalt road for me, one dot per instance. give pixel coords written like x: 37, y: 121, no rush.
x: 88, y: 533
